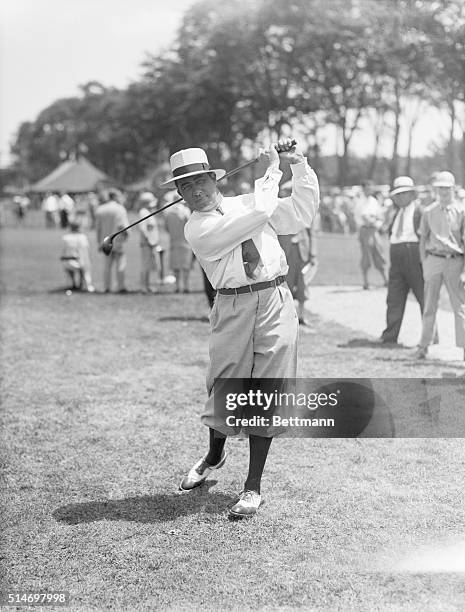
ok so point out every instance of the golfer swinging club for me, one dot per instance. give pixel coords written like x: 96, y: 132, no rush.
x: 254, y: 323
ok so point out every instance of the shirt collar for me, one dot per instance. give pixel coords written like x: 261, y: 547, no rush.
x: 448, y: 207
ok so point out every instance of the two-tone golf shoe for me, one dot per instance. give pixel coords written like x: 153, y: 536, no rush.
x: 247, y: 504
x: 199, y: 473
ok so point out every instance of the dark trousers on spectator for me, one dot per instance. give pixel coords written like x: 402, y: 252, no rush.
x: 405, y: 274
x: 64, y: 218
x: 370, y: 245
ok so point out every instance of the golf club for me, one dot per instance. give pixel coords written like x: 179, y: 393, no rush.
x: 107, y: 243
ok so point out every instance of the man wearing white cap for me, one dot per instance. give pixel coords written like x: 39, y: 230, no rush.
x: 405, y: 272
x: 442, y: 249
x: 253, y: 321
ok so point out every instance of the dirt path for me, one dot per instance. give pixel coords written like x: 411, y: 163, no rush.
x: 365, y: 311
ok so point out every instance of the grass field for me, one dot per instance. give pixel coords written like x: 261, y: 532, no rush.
x: 338, y: 266
x: 100, y: 403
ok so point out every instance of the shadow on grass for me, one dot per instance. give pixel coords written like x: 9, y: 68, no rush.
x: 367, y: 343
x: 92, y: 293
x: 160, y: 292
x: 64, y: 289
x: 147, y: 508
x: 185, y: 319
x: 356, y: 289
x: 415, y: 363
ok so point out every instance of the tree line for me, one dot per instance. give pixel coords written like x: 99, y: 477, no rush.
x: 238, y: 70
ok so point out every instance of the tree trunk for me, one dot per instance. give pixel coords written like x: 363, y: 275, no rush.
x: 378, y: 127
x: 343, y: 163
x: 463, y: 158
x: 395, y: 148
x: 316, y: 157
x: 341, y: 158
x: 451, y: 147
x: 408, y: 163
x: 374, y: 158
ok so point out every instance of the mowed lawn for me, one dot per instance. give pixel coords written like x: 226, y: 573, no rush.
x: 101, y: 397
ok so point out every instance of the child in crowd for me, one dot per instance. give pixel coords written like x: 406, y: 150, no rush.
x: 75, y: 257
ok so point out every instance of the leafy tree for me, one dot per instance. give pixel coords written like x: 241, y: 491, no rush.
x: 240, y: 71
x: 447, y: 31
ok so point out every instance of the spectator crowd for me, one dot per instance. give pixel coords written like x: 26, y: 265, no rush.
x: 424, y: 224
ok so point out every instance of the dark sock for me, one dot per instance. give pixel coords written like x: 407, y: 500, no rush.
x: 217, y: 441
x: 259, y: 448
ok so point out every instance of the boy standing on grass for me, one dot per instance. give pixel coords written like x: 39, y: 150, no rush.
x: 254, y: 323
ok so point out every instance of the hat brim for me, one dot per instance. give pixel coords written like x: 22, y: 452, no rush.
x: 443, y: 184
x: 218, y: 172
x: 401, y: 190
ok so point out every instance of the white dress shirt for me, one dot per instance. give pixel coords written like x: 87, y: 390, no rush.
x: 408, y: 229
x: 216, y: 239
x: 368, y: 211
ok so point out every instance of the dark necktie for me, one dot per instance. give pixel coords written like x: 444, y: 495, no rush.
x: 250, y: 254
x: 400, y: 225
x: 250, y: 257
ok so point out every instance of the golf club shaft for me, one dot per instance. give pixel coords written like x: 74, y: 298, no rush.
x: 124, y: 229
x: 227, y: 175
x: 144, y: 218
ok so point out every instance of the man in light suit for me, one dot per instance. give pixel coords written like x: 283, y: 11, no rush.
x: 109, y: 218
x: 442, y: 251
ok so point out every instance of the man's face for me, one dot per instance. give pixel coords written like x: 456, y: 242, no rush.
x: 199, y: 192
x: 403, y: 199
x: 445, y: 195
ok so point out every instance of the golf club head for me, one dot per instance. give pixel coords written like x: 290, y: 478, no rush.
x: 107, y: 245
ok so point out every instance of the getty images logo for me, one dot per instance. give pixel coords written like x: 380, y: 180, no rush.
x: 266, y: 401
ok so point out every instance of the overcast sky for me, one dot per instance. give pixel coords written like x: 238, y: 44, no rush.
x: 49, y: 47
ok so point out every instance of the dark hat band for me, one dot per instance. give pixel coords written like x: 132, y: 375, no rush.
x: 190, y: 168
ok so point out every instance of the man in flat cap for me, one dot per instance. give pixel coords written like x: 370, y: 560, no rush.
x: 442, y: 250
x: 254, y: 323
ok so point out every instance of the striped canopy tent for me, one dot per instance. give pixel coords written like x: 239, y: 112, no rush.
x: 73, y: 176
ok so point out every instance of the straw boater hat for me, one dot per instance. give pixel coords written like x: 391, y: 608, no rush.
x: 189, y: 162
x: 402, y: 184
x: 444, y: 179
